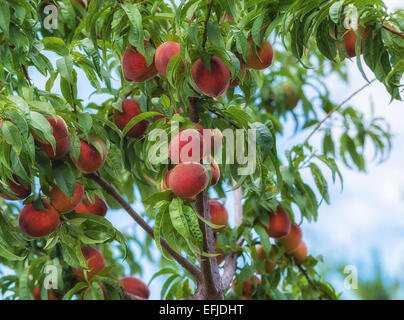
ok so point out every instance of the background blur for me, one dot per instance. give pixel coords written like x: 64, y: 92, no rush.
x: 364, y: 225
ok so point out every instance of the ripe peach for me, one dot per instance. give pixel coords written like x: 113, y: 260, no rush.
x: 134, y: 66
x: 164, y: 53
x: 292, y: 241
x: 350, y: 38
x: 135, y: 286
x: 214, y: 135
x: 269, y: 264
x: 215, y: 172
x: 90, y: 160
x: 98, y: 208
x: 300, y: 253
x: 62, y: 202
x: 95, y: 263
x: 218, y: 215
x: 62, y: 138
x: 249, y: 286
x: 291, y: 98
x: 265, y: 56
x: 279, y: 223
x: 38, y: 223
x: 20, y: 191
x: 130, y: 109
x: 188, y: 179
x: 213, y: 83
x: 37, y: 294
x: 186, y: 146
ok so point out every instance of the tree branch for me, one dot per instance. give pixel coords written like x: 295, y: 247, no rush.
x: 211, y: 286
x: 25, y: 73
x: 388, y: 28
x: 329, y: 114
x: 194, y: 271
x: 205, y: 30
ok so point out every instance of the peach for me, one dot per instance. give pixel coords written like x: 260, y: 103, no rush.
x: 98, y: 208
x: 291, y: 98
x: 130, y: 109
x: 350, y: 38
x: 300, y: 253
x: 292, y: 241
x: 90, y: 160
x: 135, y: 286
x: 264, y: 59
x: 279, y: 223
x: 134, y: 66
x: 214, y: 135
x: 270, y: 264
x: 62, y: 202
x: 186, y: 146
x: 38, y: 223
x: 62, y: 138
x: 20, y: 191
x: 218, y: 215
x: 95, y: 263
x: 215, y: 172
x: 249, y: 286
x: 164, y: 53
x: 37, y: 294
x: 188, y: 179
x: 214, y: 82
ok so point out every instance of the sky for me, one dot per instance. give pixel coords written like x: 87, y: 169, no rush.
x: 367, y: 216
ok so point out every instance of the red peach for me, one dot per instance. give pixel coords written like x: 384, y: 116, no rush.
x: 292, y: 241
x: 291, y: 98
x: 62, y: 138
x: 279, y: 223
x: 186, y: 146
x: 214, y: 82
x: 37, y: 294
x: 134, y: 66
x: 350, y: 38
x: 38, y: 223
x: 98, y: 208
x: 164, y: 53
x: 62, y: 202
x: 95, y: 263
x: 249, y: 286
x: 188, y: 179
x: 218, y: 215
x: 90, y: 160
x: 20, y: 191
x: 215, y: 172
x: 300, y: 253
x: 265, y: 56
x: 270, y: 264
x: 130, y: 109
x: 136, y: 287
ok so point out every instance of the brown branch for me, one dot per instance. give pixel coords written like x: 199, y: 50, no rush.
x: 194, y: 271
x: 329, y: 114
x: 131, y: 91
x: 205, y: 30
x: 25, y: 73
x: 388, y: 28
x: 211, y: 286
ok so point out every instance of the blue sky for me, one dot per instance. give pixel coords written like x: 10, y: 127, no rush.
x: 368, y: 215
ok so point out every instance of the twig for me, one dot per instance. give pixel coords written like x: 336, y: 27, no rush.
x: 130, y: 92
x: 194, y: 271
x: 205, y: 30
x: 25, y: 73
x: 329, y: 114
x: 400, y: 34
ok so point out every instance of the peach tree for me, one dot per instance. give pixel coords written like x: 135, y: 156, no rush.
x: 204, y: 73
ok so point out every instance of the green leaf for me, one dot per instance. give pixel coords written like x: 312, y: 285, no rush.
x: 65, y: 178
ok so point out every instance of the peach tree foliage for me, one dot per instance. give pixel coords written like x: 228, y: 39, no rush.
x: 92, y: 41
